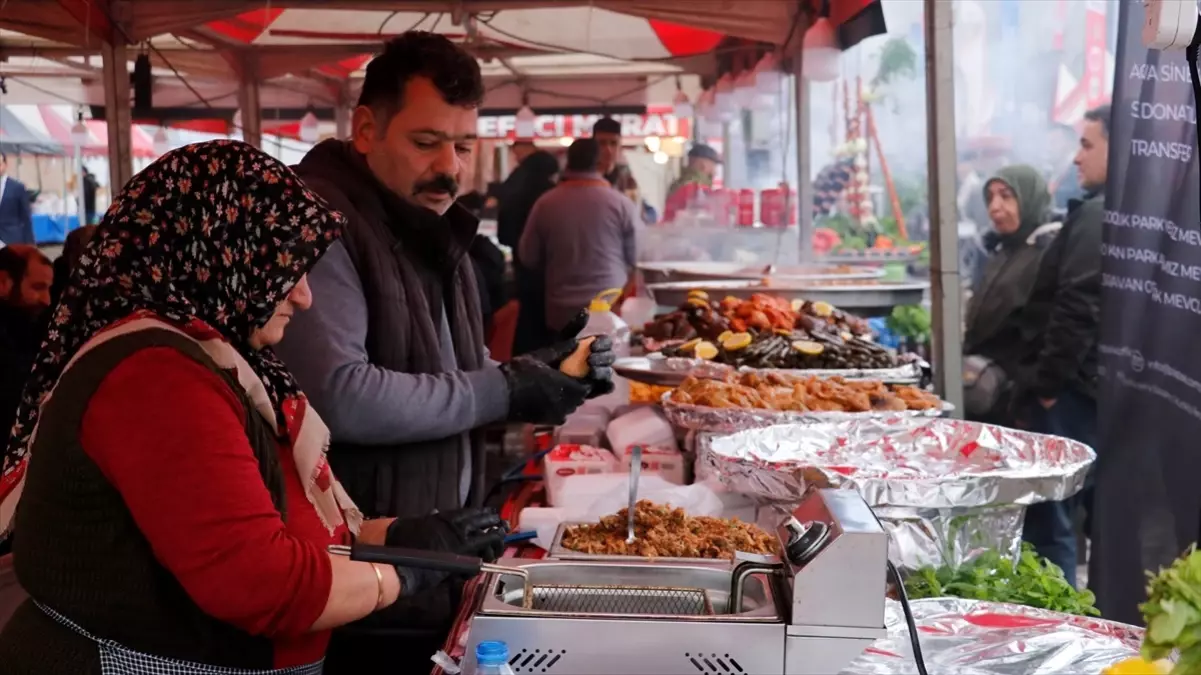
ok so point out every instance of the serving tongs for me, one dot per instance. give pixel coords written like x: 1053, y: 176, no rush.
x: 432, y: 560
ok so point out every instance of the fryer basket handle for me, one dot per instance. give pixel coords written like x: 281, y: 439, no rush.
x: 743, y: 571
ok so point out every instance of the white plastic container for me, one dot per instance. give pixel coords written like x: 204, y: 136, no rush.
x: 603, y: 321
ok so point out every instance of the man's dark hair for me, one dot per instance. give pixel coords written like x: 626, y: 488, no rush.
x: 15, y: 259
x: 606, y: 125
x: 454, y: 72
x: 583, y: 155
x: 1100, y: 114
x: 3, y: 156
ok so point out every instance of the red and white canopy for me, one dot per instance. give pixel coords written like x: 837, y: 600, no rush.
x: 585, y: 29
x: 56, y: 123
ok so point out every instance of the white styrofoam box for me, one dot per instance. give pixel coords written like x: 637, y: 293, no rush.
x: 571, y: 460
x: 1170, y: 24
x: 642, y: 426
x: 666, y: 462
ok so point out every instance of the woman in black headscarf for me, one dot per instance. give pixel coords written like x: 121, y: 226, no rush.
x: 530, y: 180
x: 177, y: 515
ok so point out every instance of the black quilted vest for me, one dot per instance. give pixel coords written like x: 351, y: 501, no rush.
x: 78, y: 550
x: 413, y: 267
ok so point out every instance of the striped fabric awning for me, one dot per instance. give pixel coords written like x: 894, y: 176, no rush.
x: 55, y: 122
x: 575, y: 29
x: 17, y: 138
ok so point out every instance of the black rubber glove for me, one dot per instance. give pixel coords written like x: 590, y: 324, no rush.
x: 600, y: 361
x: 540, y: 394
x: 473, y: 532
x: 414, y: 580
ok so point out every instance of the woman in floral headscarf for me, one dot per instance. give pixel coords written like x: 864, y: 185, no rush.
x: 176, y: 504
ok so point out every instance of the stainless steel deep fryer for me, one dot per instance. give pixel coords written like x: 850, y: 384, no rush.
x: 810, y: 614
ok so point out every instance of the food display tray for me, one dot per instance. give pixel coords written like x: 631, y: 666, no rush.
x: 559, y: 552
x: 667, y: 272
x: 665, y: 371
x: 729, y: 420
x: 865, y: 298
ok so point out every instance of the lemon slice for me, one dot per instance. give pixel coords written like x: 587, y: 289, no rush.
x: 697, y: 301
x: 698, y: 294
x: 823, y: 309
x: 730, y: 298
x: 690, y: 345
x: 798, y: 305
x: 1137, y: 666
x: 783, y: 331
x: 725, y: 335
x: 808, y: 347
x: 706, y: 350
x: 736, y: 341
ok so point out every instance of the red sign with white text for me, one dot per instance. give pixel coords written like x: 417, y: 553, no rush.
x: 580, y: 126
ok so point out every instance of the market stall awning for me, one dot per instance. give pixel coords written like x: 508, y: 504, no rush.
x: 16, y: 138
x: 562, y: 28
x: 55, y: 122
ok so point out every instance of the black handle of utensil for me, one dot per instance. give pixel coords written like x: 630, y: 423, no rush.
x: 416, y: 558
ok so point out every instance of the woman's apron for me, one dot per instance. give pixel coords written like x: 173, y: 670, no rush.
x: 116, y: 659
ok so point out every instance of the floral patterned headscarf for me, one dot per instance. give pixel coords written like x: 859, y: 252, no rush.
x: 210, y: 238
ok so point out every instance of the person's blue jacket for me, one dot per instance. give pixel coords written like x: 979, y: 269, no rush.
x: 16, y: 213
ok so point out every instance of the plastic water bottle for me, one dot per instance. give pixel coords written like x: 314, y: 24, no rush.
x: 603, y: 321
x: 492, y: 658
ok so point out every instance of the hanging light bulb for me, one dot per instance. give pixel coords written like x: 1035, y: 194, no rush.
x: 745, y: 89
x: 79, y: 132
x: 566, y: 141
x: 653, y: 143
x: 768, y: 77
x: 526, y: 123
x: 724, y: 105
x: 704, y: 105
x: 661, y: 157
x: 309, y: 127
x: 681, y: 106
x: 819, y: 63
x: 162, y: 142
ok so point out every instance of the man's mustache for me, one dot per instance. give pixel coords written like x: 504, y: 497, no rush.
x: 440, y: 183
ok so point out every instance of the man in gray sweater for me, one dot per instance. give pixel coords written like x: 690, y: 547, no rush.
x: 392, y: 352
x: 581, y: 236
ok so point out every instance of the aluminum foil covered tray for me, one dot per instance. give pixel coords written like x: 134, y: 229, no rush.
x: 983, y: 638
x: 945, y: 490
x: 941, y: 463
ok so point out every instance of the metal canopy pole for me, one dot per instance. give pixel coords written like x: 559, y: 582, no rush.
x: 342, y: 113
x: 117, y: 115
x: 945, y: 287
x: 804, y: 189
x: 248, y: 102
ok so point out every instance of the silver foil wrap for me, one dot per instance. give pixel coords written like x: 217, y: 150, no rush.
x: 946, y: 490
x: 730, y: 420
x: 970, y: 637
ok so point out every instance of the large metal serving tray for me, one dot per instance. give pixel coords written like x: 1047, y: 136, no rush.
x: 668, y: 272
x: 869, y: 299
x: 671, y: 372
x: 558, y: 552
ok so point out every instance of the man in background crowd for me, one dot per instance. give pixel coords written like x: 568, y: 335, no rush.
x: 25, y: 279
x: 607, y: 133
x: 392, y: 352
x: 703, y: 161
x: 16, y: 212
x: 89, y: 196
x: 1063, y: 397
x: 581, y: 237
